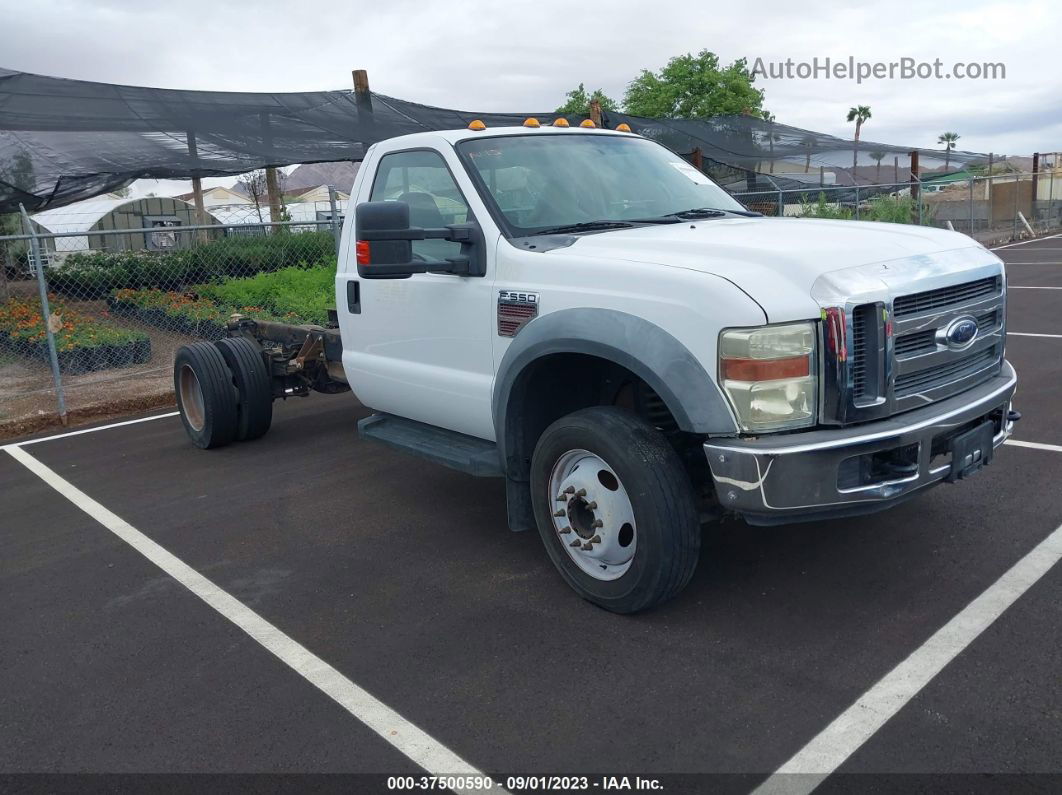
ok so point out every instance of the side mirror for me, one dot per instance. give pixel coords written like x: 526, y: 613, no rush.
x: 385, y: 238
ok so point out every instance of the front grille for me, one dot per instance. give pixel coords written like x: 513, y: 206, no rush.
x: 925, y: 380
x: 930, y: 300
x: 926, y: 341
x: 864, y: 339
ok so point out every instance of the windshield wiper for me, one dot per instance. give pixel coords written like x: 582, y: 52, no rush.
x: 584, y: 226
x: 709, y: 212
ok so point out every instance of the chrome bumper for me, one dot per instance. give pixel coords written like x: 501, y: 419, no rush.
x: 795, y: 477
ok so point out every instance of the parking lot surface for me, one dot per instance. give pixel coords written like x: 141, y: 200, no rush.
x: 402, y: 576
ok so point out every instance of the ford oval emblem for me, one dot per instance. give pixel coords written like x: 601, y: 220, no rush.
x: 961, y: 333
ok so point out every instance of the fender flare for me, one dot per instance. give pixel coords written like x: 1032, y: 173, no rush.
x: 645, y: 349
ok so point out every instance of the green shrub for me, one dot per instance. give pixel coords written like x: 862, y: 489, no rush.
x: 298, y: 295
x: 886, y: 208
x: 97, y: 273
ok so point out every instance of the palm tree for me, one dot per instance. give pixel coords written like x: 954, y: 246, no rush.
x: 808, y: 143
x: 948, y: 139
x: 858, y: 114
x: 877, y: 157
x: 772, y: 136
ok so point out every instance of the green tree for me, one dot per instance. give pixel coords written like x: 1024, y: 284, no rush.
x: 577, y: 101
x: 948, y: 139
x: 858, y: 114
x: 694, y: 86
x: 18, y: 174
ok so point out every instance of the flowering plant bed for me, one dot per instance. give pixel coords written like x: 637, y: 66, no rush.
x: 84, y: 343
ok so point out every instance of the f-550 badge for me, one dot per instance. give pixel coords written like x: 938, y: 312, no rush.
x: 515, y: 310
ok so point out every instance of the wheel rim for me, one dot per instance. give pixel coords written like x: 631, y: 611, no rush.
x: 192, y: 402
x: 592, y: 515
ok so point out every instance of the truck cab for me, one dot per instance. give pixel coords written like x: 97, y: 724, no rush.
x: 586, y: 315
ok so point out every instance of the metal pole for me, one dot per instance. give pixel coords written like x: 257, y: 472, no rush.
x: 857, y: 201
x: 1017, y: 185
x: 971, y: 200
x: 46, y: 313
x: 1051, y: 191
x: 335, y: 215
x: 781, y: 204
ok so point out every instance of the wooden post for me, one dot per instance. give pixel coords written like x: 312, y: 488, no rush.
x: 896, y: 170
x: 1035, y: 182
x: 595, y: 112
x: 914, y: 174
x: 197, y: 189
x: 361, y: 85
x: 697, y: 157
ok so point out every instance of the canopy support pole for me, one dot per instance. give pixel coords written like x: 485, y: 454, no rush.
x: 197, y: 188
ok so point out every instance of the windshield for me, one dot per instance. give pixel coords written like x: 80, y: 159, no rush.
x: 542, y: 181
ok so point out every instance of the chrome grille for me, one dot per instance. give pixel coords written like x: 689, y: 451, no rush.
x: 923, y: 380
x: 930, y: 300
x: 894, y: 355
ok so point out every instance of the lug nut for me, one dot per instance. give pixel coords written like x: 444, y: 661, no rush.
x: 565, y: 530
x: 595, y: 540
x: 597, y: 523
x: 580, y: 493
x: 587, y: 546
x: 576, y: 543
x: 591, y: 506
x: 561, y: 512
x: 569, y: 490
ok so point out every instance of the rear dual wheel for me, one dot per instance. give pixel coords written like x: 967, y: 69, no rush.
x: 223, y: 392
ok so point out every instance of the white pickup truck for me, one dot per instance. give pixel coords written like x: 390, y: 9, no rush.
x: 585, y: 315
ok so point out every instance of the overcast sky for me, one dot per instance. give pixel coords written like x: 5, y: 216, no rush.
x: 516, y: 55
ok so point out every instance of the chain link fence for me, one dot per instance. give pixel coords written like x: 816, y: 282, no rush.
x: 94, y: 305
x: 991, y: 209
x: 93, y: 309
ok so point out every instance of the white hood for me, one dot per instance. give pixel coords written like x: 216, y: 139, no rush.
x: 775, y: 261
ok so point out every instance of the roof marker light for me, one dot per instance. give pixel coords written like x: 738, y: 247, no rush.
x: 531, y: 121
x: 561, y: 122
x: 587, y: 123
x: 476, y: 125
x: 624, y: 127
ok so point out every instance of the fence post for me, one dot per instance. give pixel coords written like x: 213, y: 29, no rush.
x: 971, y: 201
x: 46, y: 313
x: 1017, y: 187
x: 1051, y: 192
x: 334, y: 216
x: 857, y: 201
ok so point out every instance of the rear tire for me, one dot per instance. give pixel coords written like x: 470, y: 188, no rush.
x: 622, y: 528
x: 206, y: 397
x: 254, y: 393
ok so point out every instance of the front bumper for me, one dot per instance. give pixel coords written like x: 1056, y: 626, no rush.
x: 804, y: 476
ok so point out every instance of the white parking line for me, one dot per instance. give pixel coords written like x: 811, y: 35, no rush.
x: 813, y: 763
x: 90, y: 430
x: 1054, y: 448
x: 425, y: 751
x: 1028, y: 334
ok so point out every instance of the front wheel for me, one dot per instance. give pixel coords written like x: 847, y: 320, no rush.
x: 615, y: 509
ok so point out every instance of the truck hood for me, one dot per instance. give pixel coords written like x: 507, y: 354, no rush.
x: 776, y: 261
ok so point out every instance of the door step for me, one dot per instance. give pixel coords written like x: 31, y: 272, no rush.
x: 449, y: 448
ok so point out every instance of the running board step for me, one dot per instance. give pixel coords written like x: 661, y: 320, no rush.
x: 449, y: 448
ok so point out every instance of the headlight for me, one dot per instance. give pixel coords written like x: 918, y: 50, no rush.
x: 768, y: 374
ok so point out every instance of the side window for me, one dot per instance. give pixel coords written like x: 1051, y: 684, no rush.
x: 422, y: 180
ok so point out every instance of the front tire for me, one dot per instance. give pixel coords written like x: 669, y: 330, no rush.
x: 615, y: 509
